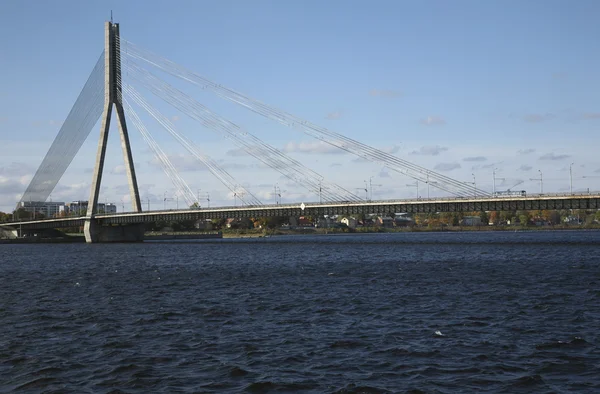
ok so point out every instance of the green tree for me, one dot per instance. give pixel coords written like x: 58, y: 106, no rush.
x: 484, y: 218
x: 524, y: 220
x: 22, y: 214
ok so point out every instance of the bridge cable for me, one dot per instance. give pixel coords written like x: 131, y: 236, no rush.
x: 169, y: 169
x: 76, y: 128
x: 224, y: 177
x: 270, y: 156
x: 347, y: 144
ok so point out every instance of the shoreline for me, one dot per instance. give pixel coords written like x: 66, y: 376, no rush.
x: 240, y: 234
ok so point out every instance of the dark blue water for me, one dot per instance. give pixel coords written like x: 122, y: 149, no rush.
x: 434, y: 312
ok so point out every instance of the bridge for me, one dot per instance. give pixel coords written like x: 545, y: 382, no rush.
x: 106, y: 90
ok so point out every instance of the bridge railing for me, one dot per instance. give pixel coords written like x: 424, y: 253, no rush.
x: 318, y: 204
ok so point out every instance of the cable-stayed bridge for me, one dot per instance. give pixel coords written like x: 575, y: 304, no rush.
x: 106, y: 91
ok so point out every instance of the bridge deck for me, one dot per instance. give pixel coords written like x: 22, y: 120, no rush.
x: 475, y: 204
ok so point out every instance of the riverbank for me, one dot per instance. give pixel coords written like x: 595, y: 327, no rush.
x: 258, y: 233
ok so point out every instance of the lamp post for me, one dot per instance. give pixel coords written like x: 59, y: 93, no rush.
x: 320, y: 192
x: 198, y: 197
x: 494, y: 182
x: 208, y: 199
x: 417, y: 185
x: 165, y: 201
x: 474, y: 186
x: 541, y: 182
x: 571, y: 178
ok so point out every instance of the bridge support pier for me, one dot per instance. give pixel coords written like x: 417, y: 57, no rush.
x: 9, y: 233
x: 96, y: 233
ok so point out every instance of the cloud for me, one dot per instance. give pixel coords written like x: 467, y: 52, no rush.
x: 384, y: 174
x: 537, y: 118
x: 334, y: 115
x: 524, y: 167
x: 16, y: 169
x: 433, y: 120
x: 552, y: 156
x: 384, y: 93
x: 181, y: 162
x: 120, y: 169
x: 475, y: 158
x: 525, y: 151
x: 234, y: 166
x: 392, y: 150
x: 335, y: 165
x: 484, y: 166
x: 597, y: 171
x: 431, y: 150
x: 236, y: 152
x: 446, y: 166
x: 311, y: 147
x: 588, y: 115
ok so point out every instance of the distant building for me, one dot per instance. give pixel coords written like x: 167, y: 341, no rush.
x: 471, y: 221
x: 47, y: 208
x: 385, y: 221
x: 349, y: 221
x: 80, y: 208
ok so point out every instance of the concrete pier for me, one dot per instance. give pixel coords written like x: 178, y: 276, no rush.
x: 96, y: 233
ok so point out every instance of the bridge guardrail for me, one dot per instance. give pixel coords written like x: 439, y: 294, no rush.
x: 317, y: 204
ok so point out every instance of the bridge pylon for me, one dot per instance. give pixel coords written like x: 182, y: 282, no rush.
x: 112, y: 96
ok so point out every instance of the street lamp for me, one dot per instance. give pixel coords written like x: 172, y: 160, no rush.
x: 571, y: 178
x: 165, y: 201
x: 541, y: 182
x: 474, y: 185
x: 320, y: 191
x: 417, y: 185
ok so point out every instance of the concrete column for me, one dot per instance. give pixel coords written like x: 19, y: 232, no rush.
x: 112, y: 95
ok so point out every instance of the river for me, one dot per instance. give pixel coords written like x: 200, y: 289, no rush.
x: 408, y: 312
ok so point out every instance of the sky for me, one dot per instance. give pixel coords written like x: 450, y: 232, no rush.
x: 464, y: 88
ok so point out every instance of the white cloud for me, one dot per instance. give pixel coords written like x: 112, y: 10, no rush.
x: 334, y: 115
x: 525, y: 151
x: 588, y: 115
x: 384, y: 174
x: 475, y: 158
x: 537, y: 118
x: 433, y: 120
x: 311, y: 147
x: 432, y: 150
x: 552, y: 156
x: 446, y: 166
x: 120, y: 169
x: 181, y: 162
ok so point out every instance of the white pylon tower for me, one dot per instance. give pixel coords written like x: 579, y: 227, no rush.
x: 113, y: 95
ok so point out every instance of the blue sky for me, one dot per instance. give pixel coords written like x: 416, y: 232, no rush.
x: 461, y: 87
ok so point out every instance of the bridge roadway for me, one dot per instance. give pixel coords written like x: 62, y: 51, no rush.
x: 475, y: 204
